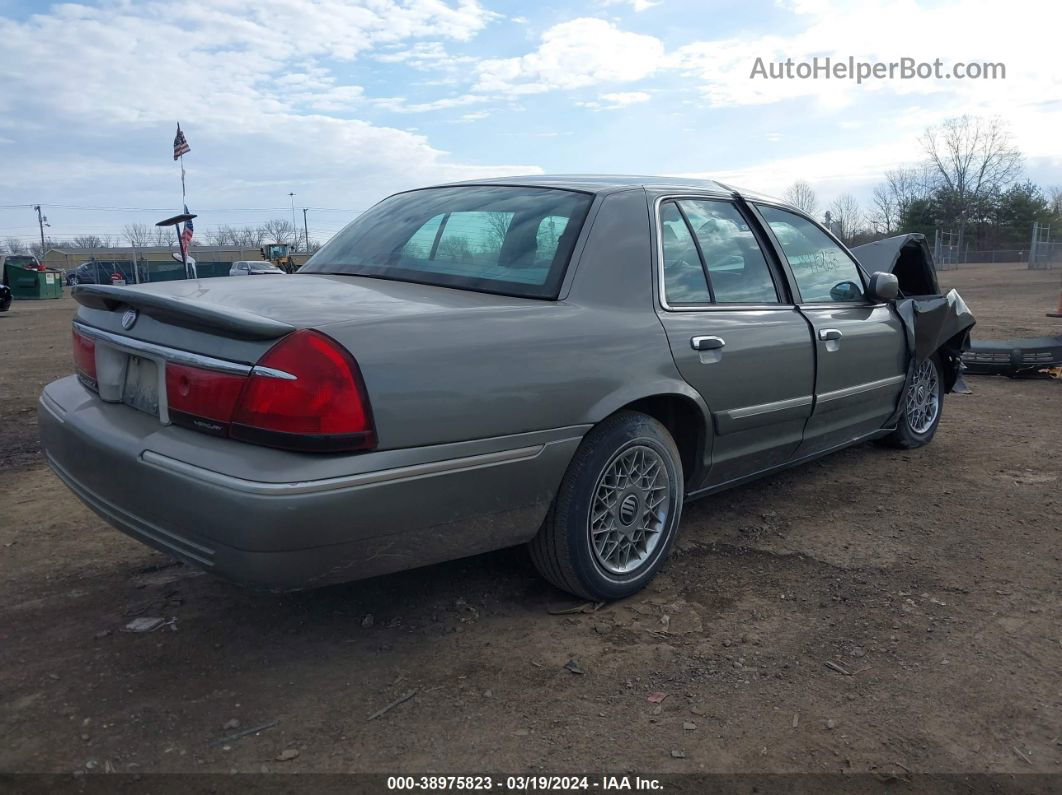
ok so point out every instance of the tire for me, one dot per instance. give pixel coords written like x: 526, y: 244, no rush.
x: 618, y: 471
x: 921, y: 415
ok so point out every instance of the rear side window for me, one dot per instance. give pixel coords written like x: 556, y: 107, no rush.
x: 684, y: 281
x: 736, y: 265
x: 509, y: 240
x: 823, y: 271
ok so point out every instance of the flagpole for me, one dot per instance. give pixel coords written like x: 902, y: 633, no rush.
x: 184, y: 204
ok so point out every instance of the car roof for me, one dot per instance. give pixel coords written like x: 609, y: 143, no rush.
x: 608, y: 183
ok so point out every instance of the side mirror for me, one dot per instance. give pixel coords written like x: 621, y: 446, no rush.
x: 846, y: 291
x: 883, y: 287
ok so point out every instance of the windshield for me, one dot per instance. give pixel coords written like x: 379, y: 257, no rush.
x: 514, y: 241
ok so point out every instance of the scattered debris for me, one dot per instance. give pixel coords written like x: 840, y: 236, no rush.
x: 831, y: 723
x: 252, y: 730
x: 678, y: 754
x: 231, y: 724
x: 838, y: 668
x: 656, y: 697
x: 1021, y: 755
x: 368, y: 621
x: 150, y: 624
x: 400, y: 700
x: 689, y: 726
x: 574, y: 667
x: 587, y: 607
x: 796, y: 719
x: 287, y: 754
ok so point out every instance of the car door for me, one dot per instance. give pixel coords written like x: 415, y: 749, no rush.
x: 734, y: 335
x: 861, y: 349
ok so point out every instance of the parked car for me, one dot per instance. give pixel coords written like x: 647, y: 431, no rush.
x: 96, y: 272
x: 253, y: 268
x: 556, y: 361
x: 5, y: 297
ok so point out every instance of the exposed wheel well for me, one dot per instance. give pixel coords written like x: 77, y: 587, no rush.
x: 683, y: 420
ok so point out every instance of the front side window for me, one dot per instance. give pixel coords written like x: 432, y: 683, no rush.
x: 736, y: 266
x: 509, y: 240
x: 823, y: 271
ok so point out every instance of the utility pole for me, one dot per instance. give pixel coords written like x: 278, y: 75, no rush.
x: 293, y: 227
x: 305, y: 231
x: 42, y: 221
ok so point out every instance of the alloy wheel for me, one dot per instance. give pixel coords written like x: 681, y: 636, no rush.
x: 630, y: 508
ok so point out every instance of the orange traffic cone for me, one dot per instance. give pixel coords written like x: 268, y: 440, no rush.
x: 1057, y: 312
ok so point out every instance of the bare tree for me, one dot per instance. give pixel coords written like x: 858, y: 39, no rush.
x: 974, y: 158
x: 15, y: 245
x: 884, y: 216
x: 137, y: 235
x: 801, y: 196
x: 162, y: 236
x: 37, y: 250
x: 91, y: 241
x: 908, y: 184
x: 1054, y: 197
x: 277, y: 230
x: 219, y: 236
x: 846, y: 213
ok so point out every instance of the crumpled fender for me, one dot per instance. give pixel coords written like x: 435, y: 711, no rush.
x: 938, y: 324
x: 934, y: 323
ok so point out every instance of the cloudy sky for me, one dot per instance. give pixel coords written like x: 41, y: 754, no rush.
x: 342, y: 102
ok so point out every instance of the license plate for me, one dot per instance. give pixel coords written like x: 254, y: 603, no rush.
x: 141, y: 389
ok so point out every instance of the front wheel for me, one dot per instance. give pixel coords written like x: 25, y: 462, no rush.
x: 922, y: 405
x: 616, y: 513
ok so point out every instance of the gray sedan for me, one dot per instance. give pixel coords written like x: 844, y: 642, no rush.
x: 553, y: 361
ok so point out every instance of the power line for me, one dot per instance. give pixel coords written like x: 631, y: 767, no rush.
x: 168, y: 209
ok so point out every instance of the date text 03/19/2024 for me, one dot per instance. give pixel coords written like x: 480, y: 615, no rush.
x: 521, y: 783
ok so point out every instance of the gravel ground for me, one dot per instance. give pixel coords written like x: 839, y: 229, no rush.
x: 874, y: 611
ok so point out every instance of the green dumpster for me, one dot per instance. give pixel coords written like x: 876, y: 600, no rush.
x: 21, y: 274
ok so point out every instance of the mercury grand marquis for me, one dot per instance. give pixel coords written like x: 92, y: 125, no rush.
x: 560, y: 362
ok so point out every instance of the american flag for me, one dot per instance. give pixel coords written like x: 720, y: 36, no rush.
x: 180, y: 144
x: 186, y: 235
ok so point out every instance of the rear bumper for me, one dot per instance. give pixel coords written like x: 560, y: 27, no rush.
x: 286, y: 520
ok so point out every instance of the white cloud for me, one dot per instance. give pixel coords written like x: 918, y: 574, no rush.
x: 953, y: 31
x: 637, y: 5
x: 574, y: 54
x: 617, y: 99
x: 400, y: 105
x: 830, y: 172
x: 251, y: 83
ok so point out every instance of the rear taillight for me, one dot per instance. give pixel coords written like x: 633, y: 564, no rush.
x: 85, y: 360
x: 306, y: 393
x: 202, y: 399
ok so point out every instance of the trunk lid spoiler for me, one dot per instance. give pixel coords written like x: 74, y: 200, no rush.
x: 178, y: 310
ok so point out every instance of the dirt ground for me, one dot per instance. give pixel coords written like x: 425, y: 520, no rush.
x: 930, y: 578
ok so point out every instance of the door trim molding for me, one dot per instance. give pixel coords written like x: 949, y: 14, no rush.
x: 859, y: 389
x: 745, y: 417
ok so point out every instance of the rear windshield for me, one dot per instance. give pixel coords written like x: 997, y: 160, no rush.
x: 514, y: 241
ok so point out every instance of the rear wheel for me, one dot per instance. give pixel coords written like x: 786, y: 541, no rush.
x: 923, y: 402
x: 616, y: 513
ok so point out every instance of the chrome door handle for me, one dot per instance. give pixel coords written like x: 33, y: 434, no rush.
x: 829, y: 334
x: 707, y: 343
